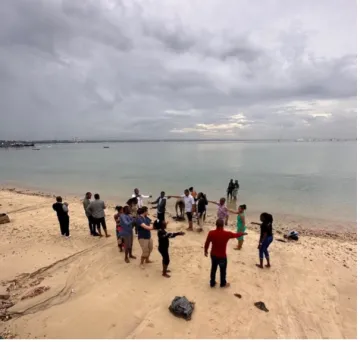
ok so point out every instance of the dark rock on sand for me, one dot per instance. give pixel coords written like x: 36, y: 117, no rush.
x: 4, y: 296
x: 238, y: 295
x: 4, y: 219
x: 261, y: 306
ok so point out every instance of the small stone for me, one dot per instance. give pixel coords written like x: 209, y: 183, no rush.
x: 261, y: 306
x: 4, y: 296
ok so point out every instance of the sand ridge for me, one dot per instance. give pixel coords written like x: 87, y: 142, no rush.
x: 310, y: 291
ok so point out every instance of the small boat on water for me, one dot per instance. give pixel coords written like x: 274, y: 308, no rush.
x: 36, y: 149
x: 106, y: 147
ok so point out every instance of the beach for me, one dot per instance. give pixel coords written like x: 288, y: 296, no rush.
x: 84, y: 289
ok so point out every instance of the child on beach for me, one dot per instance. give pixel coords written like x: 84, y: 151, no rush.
x: 164, y: 243
x: 222, y: 213
x: 241, y: 226
x: 118, y: 230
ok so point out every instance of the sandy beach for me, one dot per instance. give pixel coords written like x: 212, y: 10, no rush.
x: 86, y: 290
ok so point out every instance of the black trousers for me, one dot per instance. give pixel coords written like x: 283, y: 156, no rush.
x: 64, y: 225
x: 165, y: 256
x: 161, y: 217
x: 222, y: 263
x: 92, y: 226
x: 100, y: 221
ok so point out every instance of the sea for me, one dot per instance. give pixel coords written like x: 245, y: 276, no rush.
x: 309, y: 179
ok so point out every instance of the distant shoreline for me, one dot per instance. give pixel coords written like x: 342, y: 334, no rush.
x: 9, y: 143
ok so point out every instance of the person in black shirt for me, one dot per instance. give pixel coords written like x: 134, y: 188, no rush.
x: 62, y: 212
x: 266, y: 238
x: 202, y: 203
x: 164, y: 243
x: 230, y: 189
x: 161, y: 206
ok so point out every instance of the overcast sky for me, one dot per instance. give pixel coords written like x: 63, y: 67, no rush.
x: 112, y: 69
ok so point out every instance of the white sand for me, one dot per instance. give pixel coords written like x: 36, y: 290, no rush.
x: 310, y: 289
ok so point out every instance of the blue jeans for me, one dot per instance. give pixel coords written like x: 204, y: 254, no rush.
x: 222, y: 264
x: 264, y: 247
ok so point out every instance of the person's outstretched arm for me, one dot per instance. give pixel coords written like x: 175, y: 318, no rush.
x: 173, y: 235
x: 155, y: 202
x: 236, y: 235
x: 232, y: 211
x: 213, y: 202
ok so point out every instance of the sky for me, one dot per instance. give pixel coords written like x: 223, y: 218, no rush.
x: 182, y: 69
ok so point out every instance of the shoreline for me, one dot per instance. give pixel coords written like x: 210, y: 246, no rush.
x: 83, y: 282
x: 307, y: 226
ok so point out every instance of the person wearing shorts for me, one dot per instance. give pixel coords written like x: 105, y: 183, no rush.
x: 189, y: 206
x: 144, y: 235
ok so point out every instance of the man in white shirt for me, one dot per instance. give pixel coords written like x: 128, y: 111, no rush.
x: 140, y: 197
x: 189, y: 206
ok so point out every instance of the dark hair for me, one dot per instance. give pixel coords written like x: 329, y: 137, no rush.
x: 126, y: 210
x: 191, y: 188
x: 186, y: 190
x: 222, y: 199
x: 142, y: 210
x: 219, y: 223
x: 118, y: 207
x: 159, y: 224
x: 88, y: 193
x: 132, y: 200
x: 58, y: 199
x: 97, y: 196
x: 243, y: 206
x: 266, y: 218
x: 162, y: 192
x: 200, y: 195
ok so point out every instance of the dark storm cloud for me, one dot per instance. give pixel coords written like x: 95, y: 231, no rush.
x: 118, y: 69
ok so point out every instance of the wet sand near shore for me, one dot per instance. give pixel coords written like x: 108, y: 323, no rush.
x: 82, y: 288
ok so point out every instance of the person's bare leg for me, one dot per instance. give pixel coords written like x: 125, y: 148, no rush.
x: 131, y: 255
x: 239, y: 246
x: 165, y: 272
x: 261, y: 265
x: 268, y: 262
x: 127, y: 256
x: 148, y: 261
x: 142, y: 260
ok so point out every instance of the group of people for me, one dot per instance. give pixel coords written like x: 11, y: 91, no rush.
x: 233, y: 190
x: 135, y: 216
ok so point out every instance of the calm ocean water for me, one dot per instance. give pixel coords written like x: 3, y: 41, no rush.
x: 308, y: 179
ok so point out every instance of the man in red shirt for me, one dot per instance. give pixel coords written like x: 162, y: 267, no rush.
x: 219, y: 239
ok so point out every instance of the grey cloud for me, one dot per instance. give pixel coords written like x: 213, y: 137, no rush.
x: 98, y: 69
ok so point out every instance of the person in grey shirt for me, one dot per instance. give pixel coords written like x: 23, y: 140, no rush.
x: 96, y: 210
x: 86, y: 203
